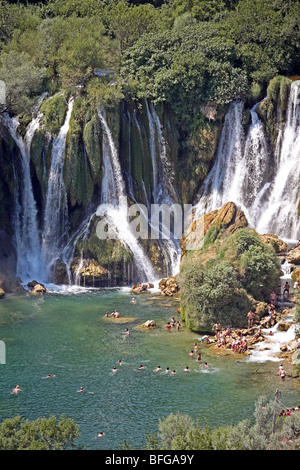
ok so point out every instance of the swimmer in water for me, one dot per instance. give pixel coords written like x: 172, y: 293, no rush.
x: 114, y: 369
x: 173, y: 372
x: 186, y: 369
x: 198, y: 357
x: 126, y: 332
x: 191, y: 354
x: 141, y: 367
x: 48, y: 376
x: 81, y: 389
x: 119, y: 362
x: 101, y: 434
x: 133, y: 301
x: 158, y: 368
x: 204, y: 365
x: 17, y: 389
x: 167, y: 370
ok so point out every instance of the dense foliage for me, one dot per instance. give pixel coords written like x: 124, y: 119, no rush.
x: 185, y: 52
x: 267, y: 431
x: 41, y: 434
x: 242, y: 268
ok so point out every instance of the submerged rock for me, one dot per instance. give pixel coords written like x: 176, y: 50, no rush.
x: 36, y: 287
x: 149, y: 324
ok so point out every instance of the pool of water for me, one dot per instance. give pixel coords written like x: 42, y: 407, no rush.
x: 65, y: 333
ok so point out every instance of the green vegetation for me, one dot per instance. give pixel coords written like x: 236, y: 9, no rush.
x: 180, y: 432
x: 184, y: 52
x: 240, y: 269
x: 41, y: 434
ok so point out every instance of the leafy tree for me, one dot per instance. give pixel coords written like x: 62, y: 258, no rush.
x: 41, y: 434
x: 23, y: 81
x: 130, y: 22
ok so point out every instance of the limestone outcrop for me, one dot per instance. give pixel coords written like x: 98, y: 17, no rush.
x: 169, y: 286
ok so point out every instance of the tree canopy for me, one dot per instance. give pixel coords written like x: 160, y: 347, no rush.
x: 183, y: 52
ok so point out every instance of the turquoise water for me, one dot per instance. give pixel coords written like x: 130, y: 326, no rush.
x: 66, y: 334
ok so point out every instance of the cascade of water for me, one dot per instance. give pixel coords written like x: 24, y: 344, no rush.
x: 27, y: 238
x: 224, y: 180
x: 114, y: 202
x: 163, y: 191
x: 56, y: 210
x: 266, y: 187
x: 280, y: 215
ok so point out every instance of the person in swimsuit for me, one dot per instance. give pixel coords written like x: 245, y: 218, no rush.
x: 168, y: 326
x: 218, y: 329
x: 17, y: 389
x: 158, y: 368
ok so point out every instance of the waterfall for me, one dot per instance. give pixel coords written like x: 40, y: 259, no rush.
x: 223, y: 182
x: 280, y: 215
x: 163, y: 191
x: 114, y: 202
x: 27, y: 237
x: 263, y: 185
x: 56, y: 209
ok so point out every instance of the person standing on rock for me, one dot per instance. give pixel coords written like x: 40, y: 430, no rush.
x: 218, y: 328
x: 286, y: 290
x: 251, y: 317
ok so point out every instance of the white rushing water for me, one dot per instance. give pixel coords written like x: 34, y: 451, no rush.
x: 263, y: 185
x: 269, y: 349
x: 163, y: 188
x: 114, y: 203
x: 56, y: 208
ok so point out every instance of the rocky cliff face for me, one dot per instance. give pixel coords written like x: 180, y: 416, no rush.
x: 155, y: 159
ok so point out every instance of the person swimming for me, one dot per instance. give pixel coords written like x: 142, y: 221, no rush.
x: 16, y: 390
x: 141, y: 367
x: 114, y: 369
x: 173, y: 372
x: 186, y: 369
x: 158, y: 368
x: 48, y: 376
x: 101, y: 434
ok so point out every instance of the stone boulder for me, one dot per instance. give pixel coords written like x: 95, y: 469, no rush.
x: 229, y: 218
x: 90, y: 272
x: 296, y: 274
x: 169, y: 286
x: 282, y: 326
x: 36, y: 287
x: 279, y: 245
x: 12, y: 285
x: 294, y: 256
x: 149, y: 324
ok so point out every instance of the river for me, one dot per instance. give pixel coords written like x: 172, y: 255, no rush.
x: 65, y: 333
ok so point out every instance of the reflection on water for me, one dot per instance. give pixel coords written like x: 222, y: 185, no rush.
x: 65, y: 333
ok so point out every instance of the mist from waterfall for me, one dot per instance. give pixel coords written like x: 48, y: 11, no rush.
x: 245, y: 171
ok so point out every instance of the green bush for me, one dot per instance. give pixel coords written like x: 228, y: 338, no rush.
x: 222, y: 289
